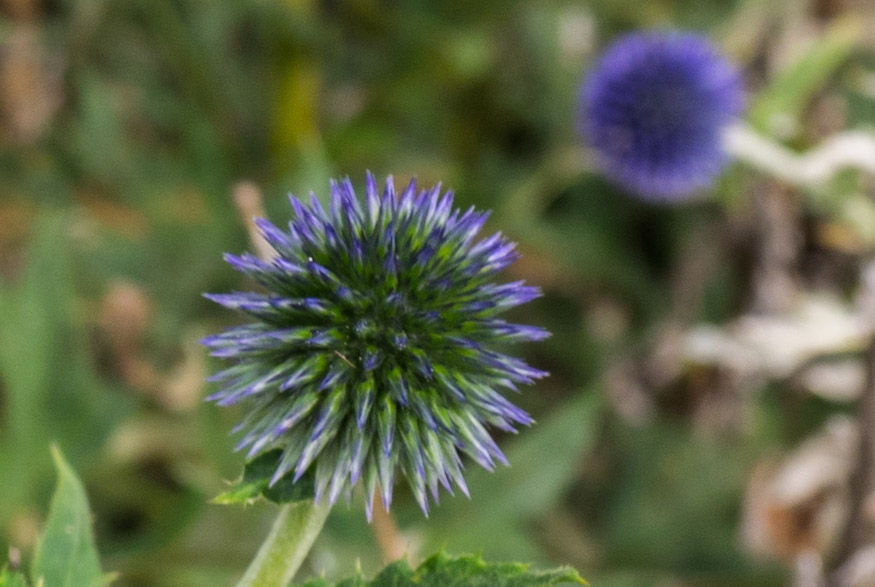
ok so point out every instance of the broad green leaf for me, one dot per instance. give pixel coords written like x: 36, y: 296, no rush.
x: 786, y: 97
x: 543, y: 461
x: 66, y: 555
x: 441, y: 570
x: 31, y: 312
x: 50, y: 391
x: 256, y: 479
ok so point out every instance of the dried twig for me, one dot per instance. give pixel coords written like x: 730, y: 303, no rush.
x: 777, y: 226
x: 857, y: 524
x: 392, y: 545
x: 846, y: 150
x: 247, y: 199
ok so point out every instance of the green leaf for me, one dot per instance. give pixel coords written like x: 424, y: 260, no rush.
x: 50, y: 391
x: 256, y: 480
x: 12, y: 579
x: 31, y: 312
x: 787, y: 96
x: 503, y: 502
x: 66, y: 555
x: 441, y: 570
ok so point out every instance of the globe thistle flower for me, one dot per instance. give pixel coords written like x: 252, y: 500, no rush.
x: 372, y: 352
x: 654, y: 108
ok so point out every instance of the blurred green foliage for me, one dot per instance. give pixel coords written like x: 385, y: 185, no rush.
x: 144, y: 115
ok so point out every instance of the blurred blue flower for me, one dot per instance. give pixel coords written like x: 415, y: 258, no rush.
x: 653, y: 109
x: 371, y: 353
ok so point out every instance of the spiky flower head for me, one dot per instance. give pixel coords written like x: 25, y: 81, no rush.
x: 654, y: 107
x: 372, y: 350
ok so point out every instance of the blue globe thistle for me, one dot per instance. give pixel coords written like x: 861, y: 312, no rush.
x: 371, y: 350
x: 654, y: 108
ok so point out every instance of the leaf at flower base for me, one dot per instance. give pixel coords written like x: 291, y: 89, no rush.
x: 255, y: 483
x: 441, y: 570
x: 66, y: 555
x: 12, y: 579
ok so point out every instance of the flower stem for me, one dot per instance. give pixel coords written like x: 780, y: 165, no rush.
x: 293, y: 533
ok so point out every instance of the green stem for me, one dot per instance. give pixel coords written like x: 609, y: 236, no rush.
x: 293, y: 532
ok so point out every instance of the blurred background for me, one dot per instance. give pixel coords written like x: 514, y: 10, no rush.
x: 709, y: 373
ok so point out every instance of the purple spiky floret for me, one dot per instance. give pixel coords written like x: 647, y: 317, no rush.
x: 653, y: 109
x: 370, y: 354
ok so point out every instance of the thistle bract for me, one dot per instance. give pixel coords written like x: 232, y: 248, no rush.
x: 653, y: 109
x: 370, y: 353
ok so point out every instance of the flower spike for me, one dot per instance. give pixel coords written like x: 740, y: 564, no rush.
x: 370, y: 357
x: 654, y: 109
